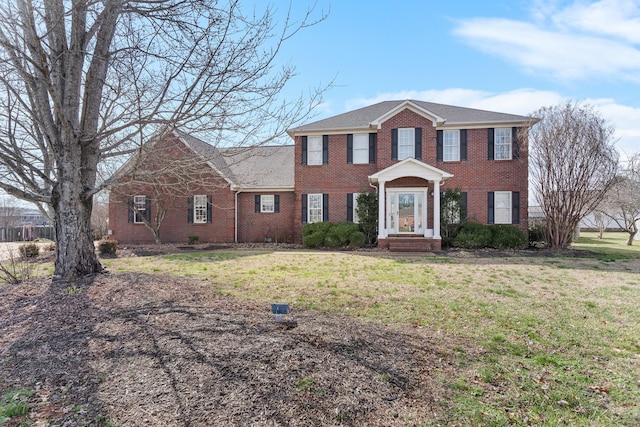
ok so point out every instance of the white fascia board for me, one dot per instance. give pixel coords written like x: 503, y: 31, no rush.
x: 476, y: 125
x: 263, y: 189
x: 340, y: 131
x: 435, y: 119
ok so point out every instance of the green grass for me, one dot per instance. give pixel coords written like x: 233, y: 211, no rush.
x: 14, y: 403
x: 553, y: 340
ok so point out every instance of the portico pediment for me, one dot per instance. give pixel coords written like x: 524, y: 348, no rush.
x: 409, y: 167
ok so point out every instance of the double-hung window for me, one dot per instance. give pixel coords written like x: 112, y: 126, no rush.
x: 502, y: 206
x: 267, y: 203
x: 451, y: 145
x: 406, y: 143
x: 140, y: 209
x: 314, y: 150
x: 360, y: 148
x: 200, y: 209
x: 502, y: 144
x: 314, y: 208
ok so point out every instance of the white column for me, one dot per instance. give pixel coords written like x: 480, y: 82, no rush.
x: 382, y: 203
x: 436, y: 210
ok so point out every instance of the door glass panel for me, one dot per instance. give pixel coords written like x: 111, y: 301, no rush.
x: 406, y: 212
x: 419, y: 208
x: 392, y: 212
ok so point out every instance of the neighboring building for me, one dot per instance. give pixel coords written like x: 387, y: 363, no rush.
x: 406, y: 151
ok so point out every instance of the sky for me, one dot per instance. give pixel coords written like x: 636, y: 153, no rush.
x: 511, y: 56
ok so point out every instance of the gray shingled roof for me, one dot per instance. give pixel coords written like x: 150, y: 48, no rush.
x: 249, y: 167
x: 363, y: 117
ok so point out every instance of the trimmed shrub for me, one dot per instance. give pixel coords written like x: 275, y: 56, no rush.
x: 333, y: 235
x: 339, y: 234
x: 107, y: 247
x: 357, y: 239
x: 314, y: 240
x: 316, y: 227
x: 29, y: 250
x: 192, y: 240
x: 506, y: 236
x: 473, y: 236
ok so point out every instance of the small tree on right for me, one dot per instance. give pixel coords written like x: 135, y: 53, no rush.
x: 573, y: 164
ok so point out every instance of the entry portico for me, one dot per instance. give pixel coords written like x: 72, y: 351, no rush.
x: 404, y: 191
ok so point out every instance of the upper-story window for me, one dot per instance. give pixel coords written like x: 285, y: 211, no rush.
x: 361, y: 148
x: 406, y: 143
x: 502, y: 144
x: 451, y: 145
x: 314, y: 150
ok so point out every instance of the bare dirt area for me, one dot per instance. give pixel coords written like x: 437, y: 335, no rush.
x: 145, y: 350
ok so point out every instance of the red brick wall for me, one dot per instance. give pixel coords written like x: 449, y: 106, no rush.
x: 476, y: 176
x: 256, y: 226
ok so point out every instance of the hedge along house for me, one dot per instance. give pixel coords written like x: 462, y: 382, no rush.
x: 218, y: 194
x: 409, y: 152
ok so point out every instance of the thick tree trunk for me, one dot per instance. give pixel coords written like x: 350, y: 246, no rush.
x: 632, y: 235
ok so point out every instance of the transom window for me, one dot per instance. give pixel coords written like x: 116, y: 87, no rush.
x: 200, y: 209
x: 140, y: 205
x: 502, y: 207
x: 406, y: 143
x: 451, y: 145
x: 314, y: 150
x: 267, y: 203
x: 314, y: 208
x: 502, y: 144
x: 360, y: 148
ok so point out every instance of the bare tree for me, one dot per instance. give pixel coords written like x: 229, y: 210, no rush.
x: 87, y: 81
x: 622, y: 203
x: 573, y: 164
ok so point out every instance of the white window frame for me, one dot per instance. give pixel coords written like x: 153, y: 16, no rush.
x: 200, y: 209
x: 314, y: 208
x: 267, y: 203
x: 140, y: 209
x: 406, y: 143
x: 360, y: 148
x: 502, y: 144
x: 356, y: 219
x: 314, y: 150
x: 502, y: 207
x: 451, y: 146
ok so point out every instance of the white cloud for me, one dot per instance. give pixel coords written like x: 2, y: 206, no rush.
x: 523, y: 101
x: 575, y: 42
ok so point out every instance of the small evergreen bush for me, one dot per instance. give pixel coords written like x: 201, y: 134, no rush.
x: 314, y: 240
x: 29, y: 250
x: 506, y: 236
x: 537, y: 236
x: 192, y: 240
x: 473, y: 236
x: 357, y: 239
x: 107, y: 247
x: 316, y: 227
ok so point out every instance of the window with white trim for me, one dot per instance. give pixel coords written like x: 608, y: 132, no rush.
x: 406, y: 143
x: 502, y: 207
x: 267, y: 203
x: 360, y: 148
x: 314, y: 150
x: 314, y: 208
x: 502, y: 144
x: 451, y: 145
x: 200, y: 209
x: 140, y: 205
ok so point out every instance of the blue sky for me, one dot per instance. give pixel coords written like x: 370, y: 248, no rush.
x: 510, y: 56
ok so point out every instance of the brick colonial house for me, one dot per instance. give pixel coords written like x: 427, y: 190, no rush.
x: 407, y: 151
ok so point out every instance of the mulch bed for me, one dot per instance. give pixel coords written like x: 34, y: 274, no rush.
x: 132, y: 349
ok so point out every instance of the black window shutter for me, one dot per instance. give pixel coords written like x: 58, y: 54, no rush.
x: 515, y: 207
x: 490, y: 135
x: 350, y: 207
x: 325, y: 149
x: 209, y: 210
x: 130, y: 209
x: 325, y: 207
x: 394, y: 144
x: 304, y: 150
x: 418, y: 144
x: 463, y: 213
x: 373, y: 137
x: 147, y: 205
x: 515, y: 144
x: 304, y: 208
x: 463, y: 144
x: 490, y: 204
x: 257, y: 203
x: 349, y: 148
x: 439, y: 146
x: 276, y: 203
x: 190, y: 210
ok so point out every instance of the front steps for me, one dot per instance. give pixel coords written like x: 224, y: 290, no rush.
x: 410, y: 243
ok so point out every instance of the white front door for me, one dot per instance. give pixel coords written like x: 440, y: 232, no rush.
x: 406, y: 211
